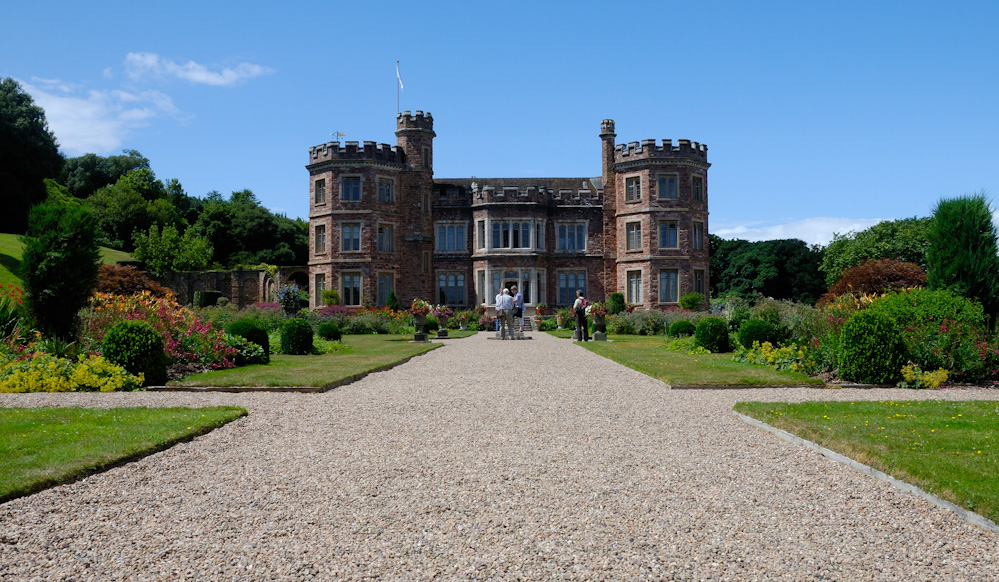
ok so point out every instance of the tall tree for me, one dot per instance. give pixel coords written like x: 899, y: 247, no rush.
x: 963, y: 255
x: 29, y: 153
x: 782, y: 269
x: 899, y: 240
x: 135, y: 202
x: 88, y: 173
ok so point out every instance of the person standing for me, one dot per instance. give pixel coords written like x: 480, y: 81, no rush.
x: 504, y: 314
x: 518, y: 306
x: 579, y: 310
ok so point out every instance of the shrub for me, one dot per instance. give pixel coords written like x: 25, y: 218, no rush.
x: 253, y: 331
x: 246, y: 351
x: 392, y: 301
x: 692, y: 301
x: 712, y: 334
x: 733, y: 308
x: 288, y: 297
x: 876, y: 276
x: 870, y: 349
x: 59, y: 266
x: 329, y: 331
x: 616, y: 304
x: 126, y: 280
x: 47, y: 373
x: 296, y: 337
x: 206, y: 298
x: 11, y: 311
x: 790, y: 357
x: 682, y: 327
x: 331, y: 297
x: 137, y: 347
x: 757, y: 330
x: 548, y: 325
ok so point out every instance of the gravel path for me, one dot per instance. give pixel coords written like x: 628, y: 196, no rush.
x: 525, y: 460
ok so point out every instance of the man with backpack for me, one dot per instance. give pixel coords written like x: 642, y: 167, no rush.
x: 579, y: 310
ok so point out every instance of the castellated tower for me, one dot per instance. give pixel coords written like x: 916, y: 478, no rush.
x: 370, y: 225
x: 658, y: 195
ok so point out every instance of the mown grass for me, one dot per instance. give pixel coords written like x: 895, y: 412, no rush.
x: 946, y: 448
x: 647, y: 355
x: 12, y: 250
x: 42, y: 447
x: 366, y: 353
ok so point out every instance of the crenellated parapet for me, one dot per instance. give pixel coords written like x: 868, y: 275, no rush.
x: 354, y: 151
x: 415, y: 121
x: 650, y: 149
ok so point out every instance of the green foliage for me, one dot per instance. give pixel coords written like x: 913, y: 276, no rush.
x: 206, y: 298
x: 692, y: 301
x: 241, y: 231
x: 392, y: 301
x: 876, y: 276
x: 134, y: 203
x: 712, y: 334
x: 759, y: 331
x: 296, y: 337
x: 28, y: 154
x: 548, y: 325
x: 329, y: 331
x: 56, y: 193
x: 639, y: 323
x: 85, y: 174
x: 902, y: 240
x: 137, y: 347
x: 871, y: 349
x: 682, y: 327
x: 782, y: 269
x: 125, y: 280
x: 166, y: 250
x: 616, y: 304
x: 331, y: 297
x: 253, y: 331
x: 790, y: 357
x: 962, y: 255
x: 733, y: 308
x: 59, y: 266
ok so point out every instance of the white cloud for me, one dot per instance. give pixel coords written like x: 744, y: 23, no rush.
x: 817, y: 230
x: 139, y: 65
x: 95, y: 121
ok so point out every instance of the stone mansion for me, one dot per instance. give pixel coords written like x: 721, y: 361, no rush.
x: 379, y: 221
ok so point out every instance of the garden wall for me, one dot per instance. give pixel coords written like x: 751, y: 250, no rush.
x: 240, y: 287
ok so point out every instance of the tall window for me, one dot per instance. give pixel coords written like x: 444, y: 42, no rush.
x: 697, y: 188
x: 351, y: 237
x: 450, y: 237
x: 568, y: 283
x: 632, y: 189
x: 634, y: 239
x: 351, y: 289
x: 386, y: 190
x: 320, y: 286
x: 699, y: 281
x: 350, y: 189
x: 385, y: 238
x: 321, y: 191
x: 386, y: 282
x: 539, y: 236
x: 320, y: 243
x: 480, y: 230
x: 698, y: 241
x: 426, y: 261
x: 451, y: 288
x: 634, y: 287
x: 571, y: 236
x: 426, y: 157
x: 514, y: 234
x: 668, y: 286
x: 667, y: 234
x: 667, y: 187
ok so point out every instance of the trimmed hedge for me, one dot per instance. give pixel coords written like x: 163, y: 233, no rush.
x: 251, y: 331
x: 135, y: 346
x: 296, y: 337
x: 871, y: 349
x: 712, y: 335
x: 682, y: 327
x: 329, y: 331
x: 757, y: 330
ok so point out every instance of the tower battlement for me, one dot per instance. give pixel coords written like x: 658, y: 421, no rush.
x: 418, y: 120
x: 352, y: 150
x: 649, y: 148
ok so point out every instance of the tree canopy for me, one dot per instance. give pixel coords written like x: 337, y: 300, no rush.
x: 781, y: 269
x: 900, y: 240
x: 88, y: 173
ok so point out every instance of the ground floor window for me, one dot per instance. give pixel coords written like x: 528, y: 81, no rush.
x: 351, y: 289
x: 699, y: 281
x: 320, y: 287
x: 568, y: 283
x: 451, y: 288
x: 669, y: 285
x: 634, y: 287
x: 386, y: 282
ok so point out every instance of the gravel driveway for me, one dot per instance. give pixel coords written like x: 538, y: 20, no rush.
x: 524, y: 460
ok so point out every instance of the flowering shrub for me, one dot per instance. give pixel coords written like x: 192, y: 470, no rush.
x: 597, y: 309
x: 11, y: 300
x: 46, y: 373
x: 288, y: 298
x: 443, y: 311
x: 420, y: 307
x: 789, y: 357
x: 186, y: 338
x: 913, y: 377
x: 541, y: 308
x: 480, y: 310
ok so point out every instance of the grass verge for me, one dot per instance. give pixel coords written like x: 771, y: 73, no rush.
x: 946, y: 448
x: 42, y: 447
x: 647, y: 355
x: 366, y: 353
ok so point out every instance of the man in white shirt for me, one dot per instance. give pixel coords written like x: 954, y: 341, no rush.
x: 504, y: 314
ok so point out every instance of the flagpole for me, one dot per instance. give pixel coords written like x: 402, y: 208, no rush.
x: 397, y: 88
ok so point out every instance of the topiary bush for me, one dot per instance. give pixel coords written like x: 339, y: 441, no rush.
x: 616, y: 303
x: 682, y: 328
x: 206, y: 298
x: 757, y: 330
x: 329, y: 331
x: 296, y: 337
x: 871, y: 349
x: 137, y: 347
x: 712, y: 334
x: 253, y: 331
x: 692, y: 301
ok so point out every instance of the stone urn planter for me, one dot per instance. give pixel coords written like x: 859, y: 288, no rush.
x: 462, y: 324
x: 420, y: 322
x: 442, y: 330
x: 560, y: 320
x: 600, y: 323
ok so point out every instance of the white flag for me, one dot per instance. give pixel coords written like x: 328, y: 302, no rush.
x: 398, y: 76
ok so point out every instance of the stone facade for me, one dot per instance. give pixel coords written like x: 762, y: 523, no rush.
x: 380, y: 221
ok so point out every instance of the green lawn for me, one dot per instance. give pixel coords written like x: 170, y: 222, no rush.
x: 367, y: 353
x: 647, y: 355
x: 42, y: 447
x: 11, y: 251
x: 946, y: 448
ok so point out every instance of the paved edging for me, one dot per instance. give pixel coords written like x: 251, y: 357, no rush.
x: 969, y: 516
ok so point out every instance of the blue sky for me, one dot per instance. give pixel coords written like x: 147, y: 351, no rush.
x: 819, y: 117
